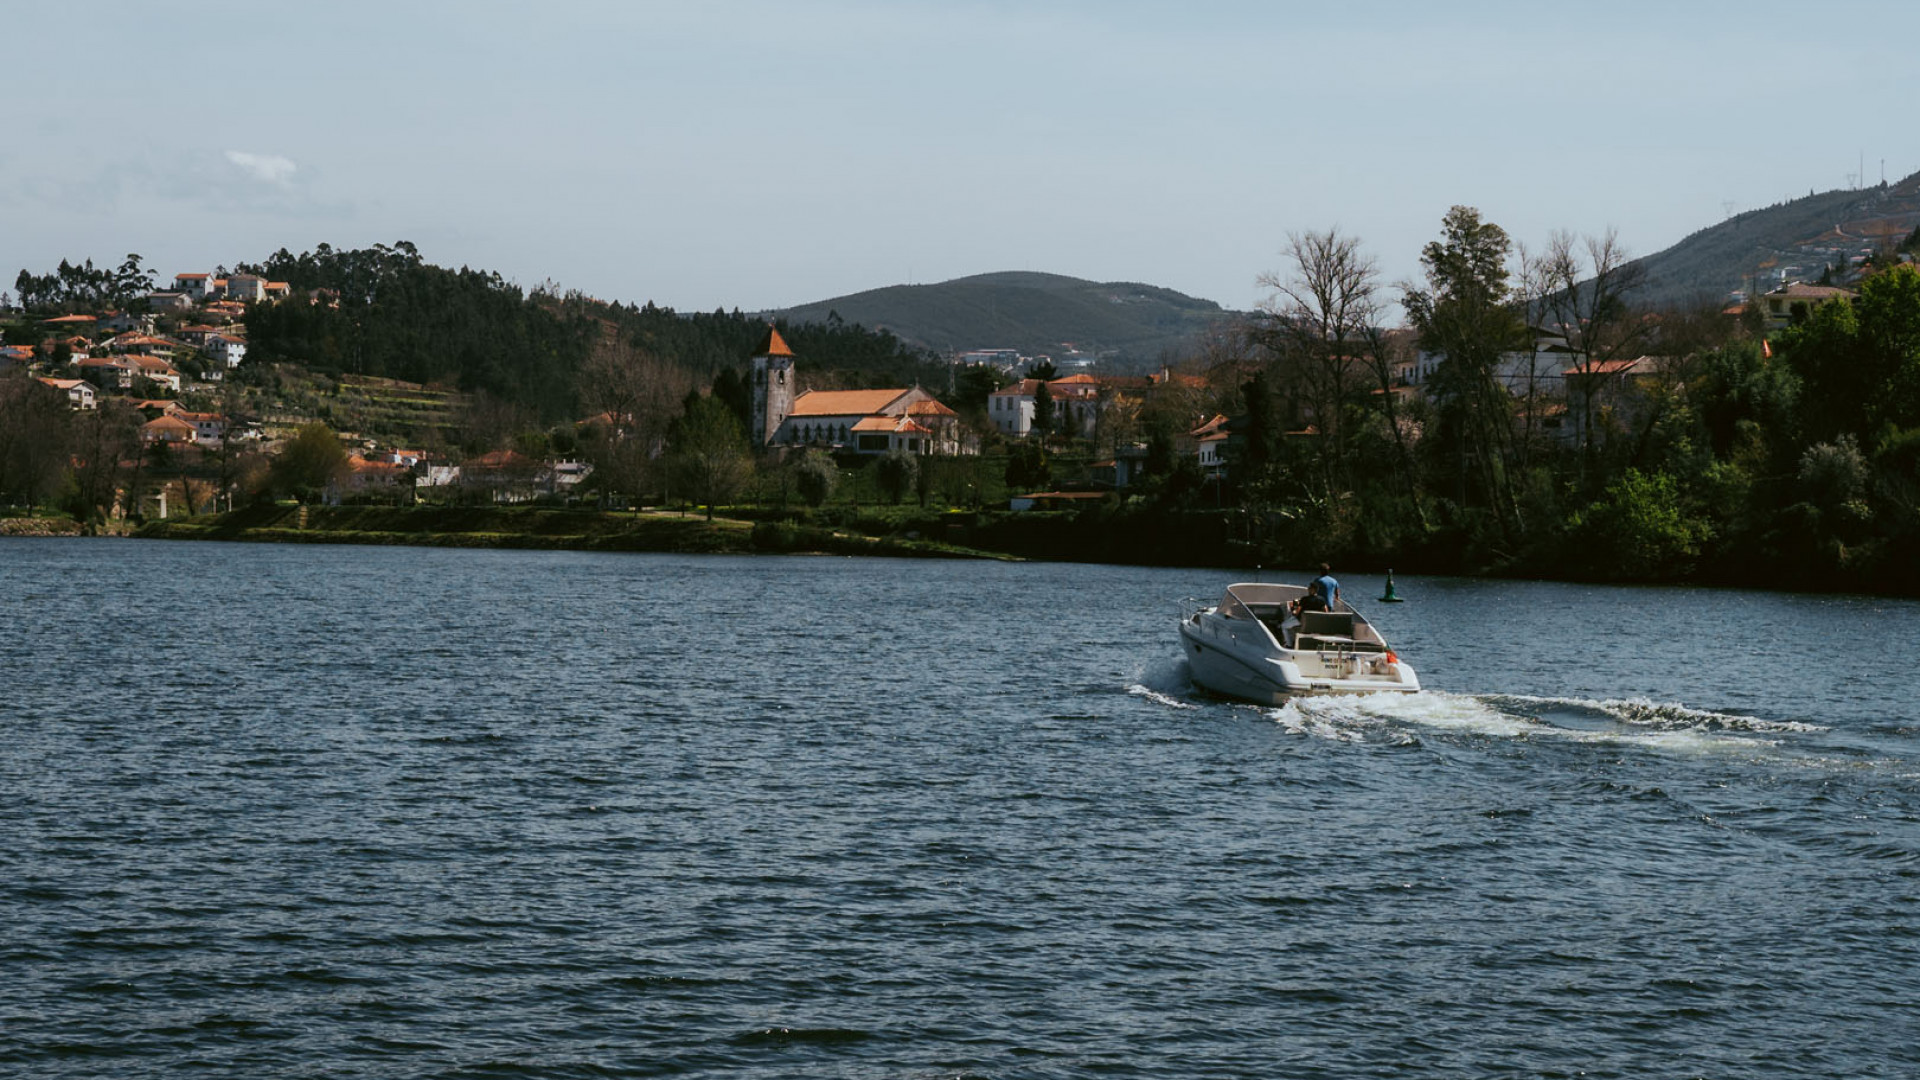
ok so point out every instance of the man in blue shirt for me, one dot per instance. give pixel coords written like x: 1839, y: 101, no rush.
x: 1329, y: 587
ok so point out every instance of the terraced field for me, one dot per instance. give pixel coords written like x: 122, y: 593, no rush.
x: 385, y: 410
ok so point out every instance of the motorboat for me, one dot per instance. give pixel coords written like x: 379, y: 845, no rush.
x: 1257, y: 646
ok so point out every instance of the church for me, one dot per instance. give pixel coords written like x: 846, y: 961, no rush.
x: 860, y: 421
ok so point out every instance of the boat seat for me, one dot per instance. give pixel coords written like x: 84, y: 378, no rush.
x: 1338, y: 624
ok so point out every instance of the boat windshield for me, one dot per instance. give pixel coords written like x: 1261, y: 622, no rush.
x: 1270, y: 603
x: 1251, y: 600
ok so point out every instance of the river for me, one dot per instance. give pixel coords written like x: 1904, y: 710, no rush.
x: 312, y: 811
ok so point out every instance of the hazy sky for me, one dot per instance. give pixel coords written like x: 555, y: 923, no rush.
x: 761, y: 154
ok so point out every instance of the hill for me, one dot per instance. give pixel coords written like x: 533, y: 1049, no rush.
x: 1795, y: 239
x: 1124, y: 324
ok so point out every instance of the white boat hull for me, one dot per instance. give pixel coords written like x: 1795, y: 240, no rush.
x: 1238, y: 658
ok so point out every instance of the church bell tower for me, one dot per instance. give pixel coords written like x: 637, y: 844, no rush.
x: 772, y: 391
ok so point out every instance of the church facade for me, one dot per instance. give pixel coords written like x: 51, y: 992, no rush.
x: 909, y: 420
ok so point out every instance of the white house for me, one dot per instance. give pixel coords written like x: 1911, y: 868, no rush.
x: 195, y: 286
x: 1210, y: 444
x: 1780, y: 305
x: 1011, y: 409
x: 246, y: 288
x: 1076, y: 405
x: 227, y: 349
x: 79, y: 391
x: 209, y: 429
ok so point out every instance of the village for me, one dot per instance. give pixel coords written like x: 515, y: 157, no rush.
x: 175, y: 364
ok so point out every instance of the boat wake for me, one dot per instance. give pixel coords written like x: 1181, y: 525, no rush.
x: 1167, y: 683
x: 1398, y: 719
x: 1668, y: 726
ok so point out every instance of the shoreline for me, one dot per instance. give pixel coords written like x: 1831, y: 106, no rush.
x: 670, y: 532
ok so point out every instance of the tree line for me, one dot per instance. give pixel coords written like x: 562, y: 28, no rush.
x: 1649, y: 445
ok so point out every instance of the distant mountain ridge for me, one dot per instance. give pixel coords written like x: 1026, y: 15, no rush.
x: 1753, y: 250
x: 1123, y: 323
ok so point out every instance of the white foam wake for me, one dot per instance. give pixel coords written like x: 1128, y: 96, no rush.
x: 1167, y: 682
x: 1655, y: 725
x: 1643, y: 712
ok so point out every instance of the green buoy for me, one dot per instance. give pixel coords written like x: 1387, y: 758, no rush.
x: 1389, y: 598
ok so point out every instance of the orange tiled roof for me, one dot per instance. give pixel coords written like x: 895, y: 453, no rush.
x: 1606, y: 367
x: 69, y: 320
x: 1216, y: 425
x: 929, y: 408
x: 61, y: 384
x: 498, y: 459
x: 168, y: 422
x: 895, y: 424
x: 188, y: 277
x: 843, y: 402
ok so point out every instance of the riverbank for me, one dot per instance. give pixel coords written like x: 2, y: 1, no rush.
x: 1224, y: 540
x: 39, y: 526
x: 537, y: 528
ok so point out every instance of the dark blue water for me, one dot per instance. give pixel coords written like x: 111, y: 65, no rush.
x: 360, y: 812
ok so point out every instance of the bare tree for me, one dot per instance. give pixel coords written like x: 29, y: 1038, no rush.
x: 638, y: 396
x: 1580, y: 291
x: 1321, y: 314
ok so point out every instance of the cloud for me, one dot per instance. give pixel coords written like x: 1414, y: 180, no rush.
x: 266, y: 168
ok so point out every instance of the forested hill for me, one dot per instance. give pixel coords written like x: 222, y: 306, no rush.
x: 1125, y: 322
x: 1798, y: 238
x: 385, y: 311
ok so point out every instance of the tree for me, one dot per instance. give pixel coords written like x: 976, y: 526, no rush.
x: 1043, y: 410
x: 1323, y: 313
x: 815, y: 475
x: 1463, y: 315
x: 1027, y: 467
x: 708, y: 455
x: 1580, y: 290
x: 897, y: 473
x: 310, y: 461
x: 1044, y: 371
x: 104, y: 439
x: 1642, y: 529
x: 35, y: 423
x: 637, y: 394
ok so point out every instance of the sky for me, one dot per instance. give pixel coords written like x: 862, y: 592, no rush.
x: 767, y: 154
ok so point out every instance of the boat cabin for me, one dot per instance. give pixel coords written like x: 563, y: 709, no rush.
x: 1273, y: 606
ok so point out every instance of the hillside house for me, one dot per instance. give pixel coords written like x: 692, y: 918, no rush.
x: 126, y: 322
x: 246, y: 288
x: 1796, y: 300
x: 169, y: 301
x: 109, y: 372
x: 1610, y: 395
x: 195, y: 287
x: 1209, y: 445
x: 226, y: 348
x: 1078, y: 401
x: 80, y: 392
x: 167, y: 430
x: 209, y: 429
x: 156, y: 368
